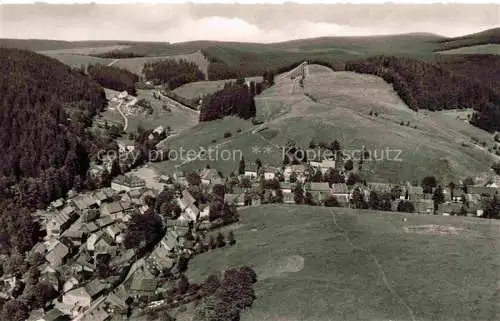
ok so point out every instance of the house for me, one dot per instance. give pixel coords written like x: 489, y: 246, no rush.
x: 89, y: 214
x: 95, y: 288
x: 209, y: 176
x: 157, y: 131
x: 204, y: 212
x: 105, y: 221
x: 57, y: 255
x: 192, y: 211
x: 57, y: 204
x: 323, y: 166
x: 125, y: 146
x: 78, y: 298
x: 251, y: 171
x: 449, y: 208
x: 113, y: 231
x: 143, y: 283
x: 75, y: 236
x: 186, y: 200
x: 82, y: 202
x: 110, y: 209
x: 61, y: 221
x: 380, y: 188
x: 54, y: 315
x: 70, y: 284
x: 159, y: 259
x: 317, y: 187
x: 97, y: 313
x: 269, y: 172
x: 127, y: 183
x: 288, y: 197
x: 286, y: 187
x: 341, y: 193
x: 415, y: 192
x: 424, y: 206
x: 299, y: 170
x: 484, y: 191
x: 235, y: 199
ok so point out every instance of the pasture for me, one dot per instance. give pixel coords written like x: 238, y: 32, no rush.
x: 337, y: 107
x: 203, y: 88
x: 492, y: 49
x: 336, y: 264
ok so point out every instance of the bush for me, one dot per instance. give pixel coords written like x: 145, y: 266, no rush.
x: 227, y: 134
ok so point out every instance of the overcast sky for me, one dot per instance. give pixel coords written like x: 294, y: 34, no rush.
x: 230, y: 22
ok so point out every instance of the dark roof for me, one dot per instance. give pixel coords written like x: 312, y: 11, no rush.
x: 95, y: 287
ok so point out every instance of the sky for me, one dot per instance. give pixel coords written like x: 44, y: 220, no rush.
x: 231, y: 22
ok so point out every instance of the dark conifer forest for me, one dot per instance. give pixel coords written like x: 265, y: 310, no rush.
x: 114, y: 78
x: 444, y: 83
x: 44, y: 150
x: 235, y: 99
x: 172, y: 73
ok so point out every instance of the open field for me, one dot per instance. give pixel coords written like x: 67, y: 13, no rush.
x: 178, y: 119
x: 84, y: 50
x: 323, y: 264
x: 440, y: 144
x: 76, y: 61
x: 136, y: 65
x: 493, y: 49
x: 202, y: 88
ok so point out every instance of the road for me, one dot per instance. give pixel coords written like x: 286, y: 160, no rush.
x: 178, y: 104
x: 125, y: 126
x: 113, y: 62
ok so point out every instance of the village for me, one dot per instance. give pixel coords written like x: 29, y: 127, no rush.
x: 86, y: 229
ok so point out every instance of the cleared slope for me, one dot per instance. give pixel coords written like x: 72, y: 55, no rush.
x: 340, y: 109
x: 321, y: 264
x: 493, y: 49
x: 202, y: 88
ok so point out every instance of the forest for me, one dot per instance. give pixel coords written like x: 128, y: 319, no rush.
x: 44, y: 151
x: 113, y: 78
x: 440, y: 84
x: 172, y: 73
x: 235, y: 99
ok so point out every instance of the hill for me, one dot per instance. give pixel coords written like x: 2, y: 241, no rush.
x: 44, y: 110
x: 323, y: 264
x: 337, y: 106
x: 487, y: 49
x: 490, y: 36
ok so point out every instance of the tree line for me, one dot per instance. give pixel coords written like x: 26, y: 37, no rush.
x: 440, y: 85
x: 113, y: 77
x: 235, y: 99
x: 172, y: 73
x: 45, y: 151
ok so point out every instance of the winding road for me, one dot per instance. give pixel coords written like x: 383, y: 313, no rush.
x: 125, y: 126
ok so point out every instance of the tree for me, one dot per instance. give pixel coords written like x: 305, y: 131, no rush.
x: 183, y: 284
x: 230, y: 238
x: 331, y: 201
x: 349, y: 165
x: 15, y: 310
x: 220, y: 241
x: 438, y: 197
x: 353, y: 178
x: 496, y: 168
x: 212, y: 244
x: 193, y: 179
x: 428, y: 184
x: 406, y: 207
x: 211, y: 284
x: 258, y: 163
x: 293, y: 177
x: 309, y: 199
x: 374, y: 202
x: 298, y: 194
x: 241, y: 167
x: 358, y: 200
x: 143, y: 230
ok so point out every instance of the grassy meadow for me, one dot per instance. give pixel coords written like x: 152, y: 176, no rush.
x: 324, y: 264
x: 337, y: 105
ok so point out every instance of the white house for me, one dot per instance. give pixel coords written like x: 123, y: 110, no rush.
x: 125, y: 146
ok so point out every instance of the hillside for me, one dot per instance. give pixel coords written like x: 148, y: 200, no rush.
x: 323, y: 264
x: 490, y: 36
x: 44, y: 109
x: 487, y: 49
x: 337, y: 107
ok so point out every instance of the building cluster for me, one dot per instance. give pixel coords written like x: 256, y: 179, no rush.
x: 86, y: 228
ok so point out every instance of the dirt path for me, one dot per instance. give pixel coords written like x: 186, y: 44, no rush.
x: 125, y: 126
x: 113, y: 62
x: 379, y: 266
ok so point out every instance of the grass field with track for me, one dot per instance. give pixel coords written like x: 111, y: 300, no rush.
x: 323, y: 264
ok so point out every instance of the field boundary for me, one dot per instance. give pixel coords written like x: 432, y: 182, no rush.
x: 379, y: 266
